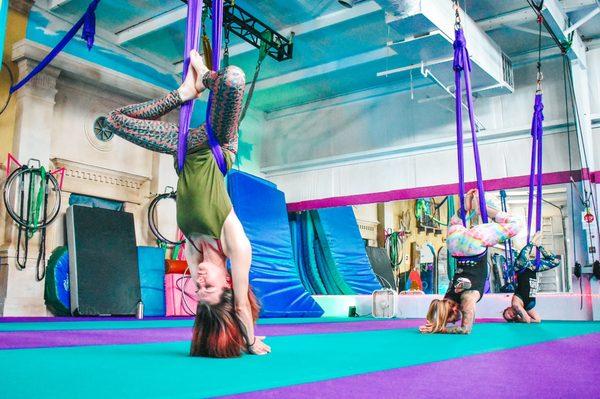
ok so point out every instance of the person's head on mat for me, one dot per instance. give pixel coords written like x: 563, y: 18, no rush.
x: 521, y: 312
x: 509, y: 314
x: 468, y: 246
x: 526, y: 266
x: 442, y: 312
x: 218, y: 331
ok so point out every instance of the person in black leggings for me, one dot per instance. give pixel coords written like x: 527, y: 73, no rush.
x: 524, y: 299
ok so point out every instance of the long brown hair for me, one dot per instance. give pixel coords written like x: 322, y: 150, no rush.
x: 218, y: 331
x: 438, y: 313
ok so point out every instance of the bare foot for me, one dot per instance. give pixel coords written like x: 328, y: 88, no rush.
x: 537, y: 239
x: 200, y: 69
x: 187, y: 90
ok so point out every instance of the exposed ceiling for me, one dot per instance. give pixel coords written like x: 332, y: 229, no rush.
x: 336, y: 50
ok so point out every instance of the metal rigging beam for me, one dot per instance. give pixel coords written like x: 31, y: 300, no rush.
x: 254, y: 31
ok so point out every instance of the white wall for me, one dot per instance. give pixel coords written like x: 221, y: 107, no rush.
x: 392, y: 142
x: 549, y: 306
x: 593, y: 58
x: 77, y: 106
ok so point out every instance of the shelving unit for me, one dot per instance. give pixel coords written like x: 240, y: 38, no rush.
x: 553, y: 241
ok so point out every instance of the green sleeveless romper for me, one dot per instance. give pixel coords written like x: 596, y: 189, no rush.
x: 202, y: 199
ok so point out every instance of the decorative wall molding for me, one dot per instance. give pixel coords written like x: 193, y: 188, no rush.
x: 46, y: 79
x: 368, y: 229
x: 42, y: 85
x: 97, y: 110
x: 101, y: 182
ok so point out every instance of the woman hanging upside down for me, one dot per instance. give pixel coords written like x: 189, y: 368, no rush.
x: 227, y: 308
x: 469, y: 247
x: 524, y: 299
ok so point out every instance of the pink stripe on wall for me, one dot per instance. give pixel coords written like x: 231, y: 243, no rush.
x: 440, y: 190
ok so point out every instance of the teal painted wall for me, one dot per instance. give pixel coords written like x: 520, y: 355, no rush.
x: 48, y: 31
x: 3, y: 16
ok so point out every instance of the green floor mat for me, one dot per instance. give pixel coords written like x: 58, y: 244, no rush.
x: 165, y: 371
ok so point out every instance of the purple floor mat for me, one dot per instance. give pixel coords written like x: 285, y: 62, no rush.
x: 51, y: 319
x: 45, y: 339
x: 566, y: 368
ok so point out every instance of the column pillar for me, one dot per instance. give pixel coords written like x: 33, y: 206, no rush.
x: 20, y: 293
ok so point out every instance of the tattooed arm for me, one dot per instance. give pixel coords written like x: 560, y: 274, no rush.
x: 468, y: 301
x: 535, y: 317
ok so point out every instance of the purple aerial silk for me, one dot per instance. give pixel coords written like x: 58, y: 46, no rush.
x: 194, y: 17
x: 535, y: 176
x: 192, y: 38
x: 462, y: 63
x: 88, y: 20
x: 89, y: 27
x: 508, y: 250
x: 217, y: 35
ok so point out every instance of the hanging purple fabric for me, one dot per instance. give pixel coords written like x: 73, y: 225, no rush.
x: 508, y: 250
x: 462, y: 63
x: 217, y: 35
x: 191, y: 42
x: 535, y: 176
x: 88, y: 20
x: 192, y: 37
x: 89, y: 26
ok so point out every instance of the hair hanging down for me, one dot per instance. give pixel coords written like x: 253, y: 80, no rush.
x: 508, y: 319
x: 218, y: 331
x: 437, y: 315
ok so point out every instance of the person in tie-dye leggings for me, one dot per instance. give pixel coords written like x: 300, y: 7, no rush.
x: 224, y: 322
x: 469, y: 247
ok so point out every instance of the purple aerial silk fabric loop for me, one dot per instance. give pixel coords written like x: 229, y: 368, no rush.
x: 191, y: 43
x: 461, y: 54
x: 459, y: 146
x: 88, y: 20
x: 192, y: 37
x: 89, y: 27
x: 462, y: 66
x: 217, y: 35
x: 508, y: 251
x: 535, y: 176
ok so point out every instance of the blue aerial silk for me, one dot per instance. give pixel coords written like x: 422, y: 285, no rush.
x: 88, y: 21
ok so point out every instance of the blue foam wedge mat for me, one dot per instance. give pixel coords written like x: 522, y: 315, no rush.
x: 261, y: 208
x: 343, y: 247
